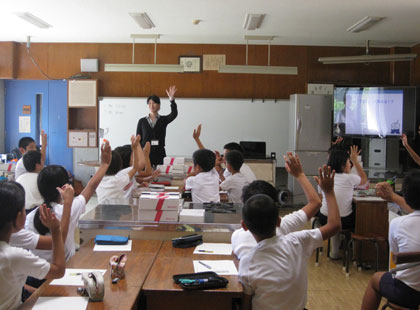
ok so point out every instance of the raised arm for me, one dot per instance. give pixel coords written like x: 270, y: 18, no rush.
x: 384, y: 190
x: 67, y: 194
x: 354, y: 152
x: 196, y: 136
x: 58, y: 264
x: 174, y: 110
x: 326, y: 181
x: 43, y: 147
x: 410, y: 151
x: 97, y: 178
x: 138, y: 160
x: 294, y: 168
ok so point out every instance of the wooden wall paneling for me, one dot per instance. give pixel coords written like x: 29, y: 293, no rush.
x: 8, y: 60
x: 357, y: 74
x: 26, y: 70
x: 415, y: 66
x: 399, y: 70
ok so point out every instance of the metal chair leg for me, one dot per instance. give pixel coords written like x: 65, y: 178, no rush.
x: 377, y: 255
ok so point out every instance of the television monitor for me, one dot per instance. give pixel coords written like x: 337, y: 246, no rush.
x: 253, y: 149
x: 375, y: 111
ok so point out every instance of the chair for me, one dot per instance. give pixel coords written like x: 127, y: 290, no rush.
x: 375, y: 239
x: 411, y: 259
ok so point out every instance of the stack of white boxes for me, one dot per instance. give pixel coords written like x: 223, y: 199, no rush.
x: 172, y: 165
x: 159, y: 207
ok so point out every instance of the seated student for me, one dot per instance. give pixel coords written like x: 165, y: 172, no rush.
x: 15, y: 263
x: 274, y: 273
x: 116, y: 181
x: 404, y: 236
x: 53, y: 184
x: 32, y: 163
x: 28, y: 144
x: 236, y: 181
x: 410, y: 151
x: 243, y: 241
x: 344, y: 184
x: 203, y: 181
x: 245, y: 170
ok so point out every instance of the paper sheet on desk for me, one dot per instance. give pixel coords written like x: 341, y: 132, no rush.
x: 54, y: 303
x: 123, y: 248
x: 214, y: 249
x: 221, y: 267
x: 74, y: 277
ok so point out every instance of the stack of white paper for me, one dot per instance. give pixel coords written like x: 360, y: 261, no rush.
x: 214, y: 249
x: 221, y: 267
x: 109, y: 248
x: 74, y: 277
x: 63, y: 303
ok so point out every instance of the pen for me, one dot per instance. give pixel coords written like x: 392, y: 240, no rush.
x: 75, y: 274
x: 205, y: 251
x: 205, y: 265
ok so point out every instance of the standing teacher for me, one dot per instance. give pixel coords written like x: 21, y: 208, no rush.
x: 152, y: 128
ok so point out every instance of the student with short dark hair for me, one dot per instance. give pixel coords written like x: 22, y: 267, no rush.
x: 203, y: 181
x: 236, y: 181
x: 274, y: 273
x: 340, y: 161
x: 404, y: 236
x: 28, y: 144
x: 118, y: 181
x: 232, y: 146
x: 32, y: 163
x: 243, y: 241
x: 17, y: 264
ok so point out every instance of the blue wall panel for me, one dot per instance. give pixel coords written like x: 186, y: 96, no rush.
x: 54, y: 116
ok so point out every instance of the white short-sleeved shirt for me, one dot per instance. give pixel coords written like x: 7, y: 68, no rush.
x: 132, y: 185
x: 32, y: 196
x: 404, y: 236
x: 20, y: 168
x: 15, y: 266
x: 112, y: 186
x: 77, y: 209
x: 243, y: 241
x: 344, y: 184
x: 24, y: 238
x: 204, y: 186
x: 233, y: 185
x: 246, y: 171
x: 275, y: 271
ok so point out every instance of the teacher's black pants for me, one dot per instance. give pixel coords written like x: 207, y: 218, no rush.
x: 157, y: 153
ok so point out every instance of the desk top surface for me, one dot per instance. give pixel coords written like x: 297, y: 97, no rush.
x: 122, y: 295
x: 171, y: 261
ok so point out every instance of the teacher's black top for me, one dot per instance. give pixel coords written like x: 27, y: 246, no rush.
x: 148, y: 133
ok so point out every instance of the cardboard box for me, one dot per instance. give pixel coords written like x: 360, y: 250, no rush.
x: 192, y: 215
x: 12, y: 166
x: 159, y: 201
x: 174, y: 161
x: 188, y: 169
x: 158, y: 216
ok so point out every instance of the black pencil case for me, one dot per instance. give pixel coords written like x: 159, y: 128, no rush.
x: 187, y: 241
x: 200, y: 281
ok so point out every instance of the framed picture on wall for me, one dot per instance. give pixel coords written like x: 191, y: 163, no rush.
x: 191, y: 63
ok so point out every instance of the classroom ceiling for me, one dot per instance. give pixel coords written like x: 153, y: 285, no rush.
x: 293, y: 22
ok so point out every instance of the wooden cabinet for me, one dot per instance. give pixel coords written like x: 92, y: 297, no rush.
x: 82, y: 113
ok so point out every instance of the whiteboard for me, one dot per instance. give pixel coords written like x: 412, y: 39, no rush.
x: 223, y: 121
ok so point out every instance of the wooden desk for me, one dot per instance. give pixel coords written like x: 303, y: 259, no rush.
x: 122, y: 295
x: 372, y: 219
x: 162, y: 293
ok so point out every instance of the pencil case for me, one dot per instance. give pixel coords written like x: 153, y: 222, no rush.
x: 111, y: 240
x: 200, y: 281
x: 187, y: 241
x: 117, y: 264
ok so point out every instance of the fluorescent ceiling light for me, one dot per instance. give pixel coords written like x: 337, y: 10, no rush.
x: 33, y: 20
x: 143, y: 68
x: 364, y: 23
x: 143, y: 20
x: 253, y: 21
x: 367, y: 58
x: 258, y: 69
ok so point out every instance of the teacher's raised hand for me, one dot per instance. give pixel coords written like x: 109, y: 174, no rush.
x: 171, y: 92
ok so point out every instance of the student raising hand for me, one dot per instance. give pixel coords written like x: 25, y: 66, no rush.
x: 196, y: 136
x: 293, y: 165
x: 135, y: 141
x: 325, y: 179
x: 48, y: 218
x: 354, y: 152
x: 106, y: 153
